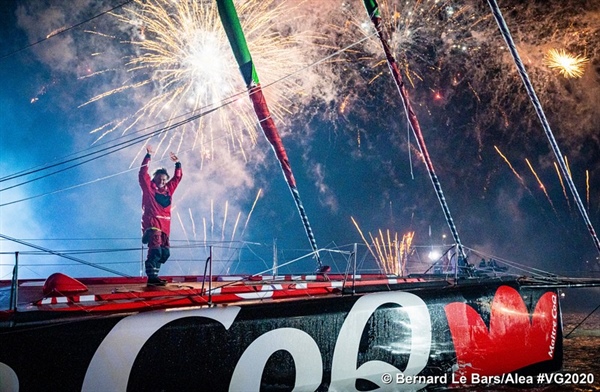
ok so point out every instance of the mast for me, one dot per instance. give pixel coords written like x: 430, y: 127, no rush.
x: 237, y: 40
x: 373, y: 12
x: 542, y: 116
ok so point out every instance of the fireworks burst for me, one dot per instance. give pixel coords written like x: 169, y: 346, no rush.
x: 414, y: 26
x: 451, y: 53
x: 390, y: 252
x: 568, y: 65
x: 182, y: 62
x: 393, y: 254
x: 225, y: 239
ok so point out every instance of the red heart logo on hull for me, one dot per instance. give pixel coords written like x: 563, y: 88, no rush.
x: 514, y: 339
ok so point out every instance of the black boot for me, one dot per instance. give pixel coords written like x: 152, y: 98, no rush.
x: 153, y: 266
x: 156, y: 281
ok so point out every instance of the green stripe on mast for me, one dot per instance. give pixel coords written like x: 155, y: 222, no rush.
x: 372, y: 8
x: 237, y: 40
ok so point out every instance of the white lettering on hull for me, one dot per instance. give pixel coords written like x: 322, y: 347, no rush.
x: 344, y: 372
x: 554, y: 326
x: 302, y: 348
x: 112, y: 363
x: 9, y: 382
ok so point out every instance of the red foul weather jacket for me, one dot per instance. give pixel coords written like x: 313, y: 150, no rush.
x: 156, y: 203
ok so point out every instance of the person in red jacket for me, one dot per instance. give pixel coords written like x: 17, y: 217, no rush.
x: 157, y: 194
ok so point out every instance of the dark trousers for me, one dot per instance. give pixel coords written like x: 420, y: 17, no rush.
x: 158, y: 251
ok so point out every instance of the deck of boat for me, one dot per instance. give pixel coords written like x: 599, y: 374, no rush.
x: 60, y: 293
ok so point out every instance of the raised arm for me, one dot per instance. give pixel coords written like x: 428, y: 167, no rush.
x: 143, y: 176
x: 173, y: 182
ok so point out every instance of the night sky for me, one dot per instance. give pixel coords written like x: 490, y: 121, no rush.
x: 341, y: 120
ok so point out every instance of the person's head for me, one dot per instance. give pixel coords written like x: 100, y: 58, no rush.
x: 160, y: 177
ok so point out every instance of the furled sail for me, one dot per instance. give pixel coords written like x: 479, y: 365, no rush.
x: 373, y: 11
x: 237, y: 40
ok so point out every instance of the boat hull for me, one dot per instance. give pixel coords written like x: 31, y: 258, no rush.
x: 394, y: 340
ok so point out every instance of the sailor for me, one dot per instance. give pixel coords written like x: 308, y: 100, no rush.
x: 157, y: 196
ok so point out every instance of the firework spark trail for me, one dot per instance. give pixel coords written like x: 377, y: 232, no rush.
x: 587, y: 188
x: 251, y: 210
x: 388, y: 254
x: 393, y: 251
x: 224, y: 220
x: 415, y: 25
x: 57, y: 31
x: 513, y: 170
x: 568, y: 167
x: 237, y: 221
x: 396, y: 260
x: 390, y: 244
x: 193, y: 223
x: 223, y: 224
x: 212, y: 218
x: 221, y: 253
x: 363, y: 237
x: 562, y: 184
x: 385, y: 254
x: 542, y: 186
x: 380, y: 259
x: 405, y: 250
x: 187, y: 239
x: 204, y: 226
x: 344, y: 103
x: 183, y: 228
x: 536, y: 103
x: 464, y: 37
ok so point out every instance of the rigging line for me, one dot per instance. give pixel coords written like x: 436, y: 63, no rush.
x: 49, y: 166
x: 227, y: 101
x: 66, y: 189
x: 224, y: 103
x: 81, y: 251
x: 64, y: 30
x: 144, y: 137
x: 120, y: 146
x: 582, y: 321
x: 542, y: 116
x: 81, y: 239
x: 536, y: 272
x: 63, y: 255
x: 46, y: 166
x: 243, y: 279
x: 408, y: 128
x: 78, y: 185
x: 67, y: 168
